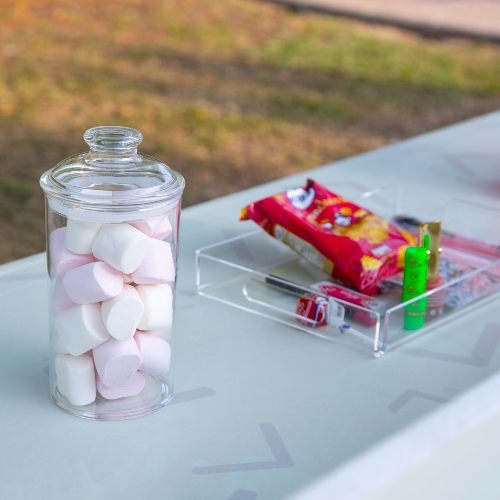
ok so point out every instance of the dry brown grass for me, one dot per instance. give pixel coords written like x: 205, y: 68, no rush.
x: 231, y: 94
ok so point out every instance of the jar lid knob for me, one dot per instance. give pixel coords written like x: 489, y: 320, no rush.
x: 113, y: 139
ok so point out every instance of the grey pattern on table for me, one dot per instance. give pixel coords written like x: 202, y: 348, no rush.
x: 408, y: 395
x: 281, y: 456
x: 480, y: 357
x: 192, y: 394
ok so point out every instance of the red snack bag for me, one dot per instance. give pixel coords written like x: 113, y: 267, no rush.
x: 346, y: 241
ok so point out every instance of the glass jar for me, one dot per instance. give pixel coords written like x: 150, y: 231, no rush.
x: 112, y: 218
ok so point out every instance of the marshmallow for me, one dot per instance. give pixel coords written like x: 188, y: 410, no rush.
x: 122, y: 314
x: 121, y: 246
x: 158, y: 306
x: 155, y: 354
x: 80, y: 235
x: 81, y: 328
x: 127, y: 279
x: 60, y: 299
x: 161, y: 334
x: 76, y: 378
x: 58, y: 345
x: 156, y: 227
x: 62, y: 259
x: 92, y: 283
x: 116, y: 361
x: 157, y: 266
x: 131, y: 388
x: 163, y: 230
x: 148, y: 226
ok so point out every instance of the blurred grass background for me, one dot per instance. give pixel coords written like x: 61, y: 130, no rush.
x: 231, y: 94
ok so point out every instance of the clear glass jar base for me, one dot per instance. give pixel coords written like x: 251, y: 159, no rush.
x: 155, y: 395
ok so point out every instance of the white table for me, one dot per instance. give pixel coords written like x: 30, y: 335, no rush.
x: 263, y: 411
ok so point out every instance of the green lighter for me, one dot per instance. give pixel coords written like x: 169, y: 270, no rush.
x: 414, y: 284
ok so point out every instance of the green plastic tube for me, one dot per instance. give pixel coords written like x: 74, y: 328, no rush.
x: 414, y: 283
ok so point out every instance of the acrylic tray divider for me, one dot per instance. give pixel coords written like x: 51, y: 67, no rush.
x: 238, y: 271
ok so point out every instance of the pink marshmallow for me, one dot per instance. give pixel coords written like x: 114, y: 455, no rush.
x: 60, y: 299
x: 131, y: 388
x: 62, y: 259
x: 157, y: 266
x: 155, y: 354
x: 116, y: 361
x: 163, y: 230
x: 163, y: 333
x: 148, y: 226
x: 93, y: 283
x: 156, y: 227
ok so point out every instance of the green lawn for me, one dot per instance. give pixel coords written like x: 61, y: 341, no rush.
x: 231, y: 94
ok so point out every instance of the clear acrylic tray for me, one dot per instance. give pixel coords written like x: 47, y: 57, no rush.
x: 253, y: 272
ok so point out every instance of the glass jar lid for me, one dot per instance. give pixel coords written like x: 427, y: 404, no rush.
x: 111, y: 178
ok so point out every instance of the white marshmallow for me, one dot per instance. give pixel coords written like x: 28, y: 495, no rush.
x: 58, y: 345
x: 155, y: 354
x: 81, y: 328
x: 93, y: 283
x: 62, y: 259
x: 131, y: 388
x: 76, y: 378
x: 80, y: 235
x: 157, y: 266
x: 116, y: 361
x: 121, y: 246
x: 158, y: 307
x: 122, y: 313
x: 60, y: 298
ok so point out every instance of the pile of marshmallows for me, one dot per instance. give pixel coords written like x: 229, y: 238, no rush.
x: 112, y: 306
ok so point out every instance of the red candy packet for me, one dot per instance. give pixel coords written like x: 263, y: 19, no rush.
x: 314, y: 309
x: 346, y: 241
